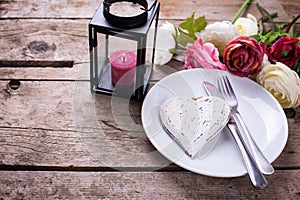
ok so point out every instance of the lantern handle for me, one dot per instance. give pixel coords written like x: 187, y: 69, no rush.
x: 127, y: 22
x: 154, y: 3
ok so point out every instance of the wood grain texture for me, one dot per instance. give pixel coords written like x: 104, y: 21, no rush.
x: 44, y: 40
x: 45, y: 9
x: 39, y: 48
x: 214, y: 10
x: 33, y: 149
x: 60, y: 141
x: 142, y: 185
x: 63, y: 119
x: 97, y: 127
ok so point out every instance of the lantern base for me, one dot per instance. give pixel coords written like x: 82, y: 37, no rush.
x: 105, y: 85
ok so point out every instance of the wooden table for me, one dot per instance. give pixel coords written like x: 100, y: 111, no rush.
x: 57, y: 140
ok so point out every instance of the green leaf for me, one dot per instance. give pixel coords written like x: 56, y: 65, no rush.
x: 183, y: 39
x: 187, y: 26
x: 173, y: 50
x: 200, y: 24
x: 257, y: 37
x: 282, y: 26
x: 187, y: 30
x: 191, y: 26
x: 270, y: 37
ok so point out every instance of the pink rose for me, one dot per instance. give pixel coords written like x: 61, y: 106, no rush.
x: 284, y: 50
x: 202, y: 55
x: 244, y: 56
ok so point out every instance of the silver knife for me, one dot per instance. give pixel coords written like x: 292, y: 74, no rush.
x: 256, y: 176
x: 263, y: 164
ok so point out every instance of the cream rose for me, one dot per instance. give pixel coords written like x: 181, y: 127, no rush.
x: 165, y: 41
x: 282, y: 82
x: 247, y: 26
x: 219, y: 34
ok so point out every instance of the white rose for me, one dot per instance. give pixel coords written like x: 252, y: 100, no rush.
x: 282, y: 82
x: 219, y: 33
x: 247, y: 26
x: 164, y: 42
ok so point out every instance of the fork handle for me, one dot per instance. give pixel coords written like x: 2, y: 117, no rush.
x: 256, y: 177
x: 263, y: 164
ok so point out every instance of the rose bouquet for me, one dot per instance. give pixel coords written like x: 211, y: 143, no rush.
x: 241, y: 46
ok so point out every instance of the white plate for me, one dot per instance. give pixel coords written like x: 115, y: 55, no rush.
x: 261, y: 112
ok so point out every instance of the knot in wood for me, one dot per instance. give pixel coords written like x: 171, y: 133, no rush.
x: 40, y: 47
x: 13, y: 87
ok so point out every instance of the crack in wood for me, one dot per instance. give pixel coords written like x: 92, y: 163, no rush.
x: 81, y: 130
x: 4, y: 167
x: 36, y: 64
x: 107, y: 123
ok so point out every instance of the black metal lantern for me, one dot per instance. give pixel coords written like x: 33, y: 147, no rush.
x: 122, y: 48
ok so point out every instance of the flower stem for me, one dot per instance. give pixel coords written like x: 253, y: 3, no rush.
x: 240, y: 11
x: 261, y: 27
x: 273, y: 15
x: 265, y: 13
x: 261, y: 22
x: 292, y: 23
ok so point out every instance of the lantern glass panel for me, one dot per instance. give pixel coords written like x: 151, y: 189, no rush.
x: 107, y: 45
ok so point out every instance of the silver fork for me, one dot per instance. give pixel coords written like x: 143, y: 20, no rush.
x: 226, y: 89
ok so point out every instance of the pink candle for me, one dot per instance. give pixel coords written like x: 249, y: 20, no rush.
x: 123, y: 63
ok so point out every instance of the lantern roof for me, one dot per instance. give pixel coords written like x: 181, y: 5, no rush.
x: 102, y: 24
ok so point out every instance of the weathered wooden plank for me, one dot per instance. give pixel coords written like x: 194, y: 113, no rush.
x: 44, y: 49
x: 84, y: 150
x: 105, y: 147
x: 72, y: 122
x: 56, y: 103
x: 61, y: 125
x: 52, y: 122
x: 50, y: 50
x: 142, y: 185
x: 44, y: 40
x: 214, y: 10
x: 46, y: 9
x: 45, y: 44
x: 291, y: 7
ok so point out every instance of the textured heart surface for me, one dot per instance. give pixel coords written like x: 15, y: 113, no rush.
x: 194, y: 123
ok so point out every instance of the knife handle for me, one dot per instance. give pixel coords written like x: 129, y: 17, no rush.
x: 263, y: 164
x: 255, y: 175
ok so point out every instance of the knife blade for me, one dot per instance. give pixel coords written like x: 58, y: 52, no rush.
x: 212, y: 90
x: 256, y: 176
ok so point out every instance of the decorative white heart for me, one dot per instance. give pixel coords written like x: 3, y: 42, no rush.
x: 195, y: 124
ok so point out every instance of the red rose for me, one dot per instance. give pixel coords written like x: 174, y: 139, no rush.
x: 244, y: 56
x: 284, y: 50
